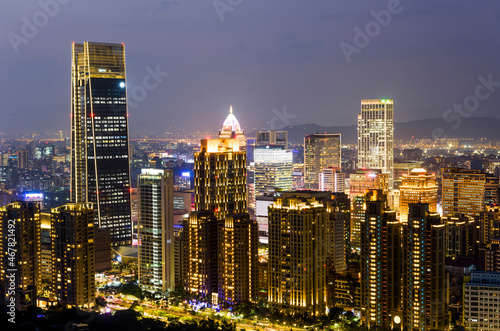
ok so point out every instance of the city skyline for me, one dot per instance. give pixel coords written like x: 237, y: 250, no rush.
x: 263, y: 69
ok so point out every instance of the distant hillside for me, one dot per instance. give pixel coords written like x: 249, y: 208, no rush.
x: 476, y: 127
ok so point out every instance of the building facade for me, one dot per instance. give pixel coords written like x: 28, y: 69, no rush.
x: 376, y: 136
x: 273, y: 170
x: 462, y: 191
x: 417, y: 187
x: 99, y: 136
x: 481, y: 293
x: 321, y: 150
x: 73, y: 255
x: 156, y: 230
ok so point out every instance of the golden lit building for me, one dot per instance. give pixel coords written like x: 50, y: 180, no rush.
x: 424, y: 279
x: 321, y: 150
x: 201, y: 253
x: 417, y: 187
x: 220, y: 177
x: 73, y: 256
x: 156, y: 230
x: 99, y: 136
x: 238, y: 259
x: 360, y: 183
x: 297, y: 255
x: 462, y: 191
x: 231, y: 129
x: 20, y: 224
x: 380, y: 262
x: 376, y: 136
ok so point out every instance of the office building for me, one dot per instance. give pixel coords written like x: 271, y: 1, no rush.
x: 491, y: 191
x: 376, y: 136
x: 380, y: 262
x: 22, y: 159
x: 481, y: 295
x: 99, y: 136
x: 461, y: 235
x: 273, y: 170
x: 489, y: 256
x: 489, y: 224
x: 297, y: 255
x: 272, y: 138
x: 417, y: 187
x: 73, y: 259
x: 156, y: 230
x: 462, y: 191
x: 238, y: 259
x: 20, y: 224
x: 424, y: 280
x: 220, y: 177
x: 321, y: 150
x: 332, y: 180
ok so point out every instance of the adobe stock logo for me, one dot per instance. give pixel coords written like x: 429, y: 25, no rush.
x: 222, y: 6
x: 49, y: 9
x: 150, y: 82
x: 362, y: 38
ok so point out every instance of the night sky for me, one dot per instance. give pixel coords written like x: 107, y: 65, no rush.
x: 257, y: 55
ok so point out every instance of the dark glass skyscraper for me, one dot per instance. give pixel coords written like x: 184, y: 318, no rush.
x: 99, y: 136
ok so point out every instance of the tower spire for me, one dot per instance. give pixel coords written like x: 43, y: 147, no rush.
x: 230, y: 109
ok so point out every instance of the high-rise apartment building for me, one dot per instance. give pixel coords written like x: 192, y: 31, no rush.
x: 462, y: 191
x: 201, y: 253
x: 380, y: 262
x: 481, y: 295
x: 99, y: 136
x: 359, y: 184
x: 220, y: 177
x: 21, y: 232
x: 376, y: 136
x: 461, y: 235
x: 489, y: 256
x: 424, y: 279
x: 238, y: 259
x: 156, y: 230
x: 297, y: 255
x: 73, y: 256
x: 321, y: 150
x: 417, y: 187
x: 273, y: 169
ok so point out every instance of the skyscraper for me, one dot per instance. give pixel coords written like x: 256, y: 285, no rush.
x: 273, y: 169
x: 424, y: 279
x: 298, y: 248
x: 156, y: 230
x: 73, y: 254
x: 417, y: 187
x: 99, y: 136
x: 462, y: 191
x: 380, y: 262
x: 321, y: 150
x: 21, y: 226
x: 376, y: 136
x: 220, y: 177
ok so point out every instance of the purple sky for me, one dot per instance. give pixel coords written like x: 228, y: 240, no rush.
x: 262, y: 55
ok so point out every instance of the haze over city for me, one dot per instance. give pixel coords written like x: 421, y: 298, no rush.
x: 257, y: 56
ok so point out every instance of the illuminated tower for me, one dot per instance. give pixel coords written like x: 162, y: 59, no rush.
x: 231, y: 129
x: 73, y: 254
x: 376, y: 136
x: 424, y: 278
x: 20, y: 233
x: 99, y: 136
x: 156, y: 230
x: 417, y: 187
x: 380, y: 262
x: 220, y: 177
x: 462, y: 191
x: 321, y: 150
x: 298, y: 252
